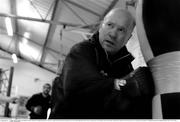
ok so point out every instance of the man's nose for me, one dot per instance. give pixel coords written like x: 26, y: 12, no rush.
x: 113, y: 33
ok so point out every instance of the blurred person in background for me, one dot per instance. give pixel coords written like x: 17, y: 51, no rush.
x: 38, y: 104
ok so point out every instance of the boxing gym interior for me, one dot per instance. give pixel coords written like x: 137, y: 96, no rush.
x: 36, y: 36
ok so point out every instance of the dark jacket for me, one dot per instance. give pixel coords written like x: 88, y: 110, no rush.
x: 85, y: 89
x: 38, y: 100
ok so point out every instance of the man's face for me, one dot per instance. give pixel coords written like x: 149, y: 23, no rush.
x: 46, y: 89
x: 114, y: 32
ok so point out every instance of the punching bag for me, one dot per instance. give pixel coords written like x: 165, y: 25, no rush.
x: 158, y: 29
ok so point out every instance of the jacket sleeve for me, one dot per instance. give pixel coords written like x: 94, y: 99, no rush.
x: 81, y: 75
x: 30, y: 103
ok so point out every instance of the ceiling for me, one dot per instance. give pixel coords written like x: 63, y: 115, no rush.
x: 45, y: 30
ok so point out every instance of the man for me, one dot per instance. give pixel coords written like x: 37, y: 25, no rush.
x: 89, y: 86
x: 39, y: 103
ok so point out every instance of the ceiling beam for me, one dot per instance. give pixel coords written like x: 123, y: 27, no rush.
x: 51, y: 30
x: 24, y: 59
x: 46, y: 21
x: 82, y: 7
x: 34, y: 42
x: 113, y: 3
x: 75, y: 13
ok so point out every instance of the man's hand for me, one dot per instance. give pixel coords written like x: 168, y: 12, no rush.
x: 118, y: 83
x: 37, y: 110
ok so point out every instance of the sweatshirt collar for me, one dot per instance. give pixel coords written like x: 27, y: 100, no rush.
x: 121, y: 54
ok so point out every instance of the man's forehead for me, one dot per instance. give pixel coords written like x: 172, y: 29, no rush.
x: 118, y: 20
x: 118, y: 14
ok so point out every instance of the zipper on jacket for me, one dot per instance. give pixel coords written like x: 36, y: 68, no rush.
x: 116, y: 59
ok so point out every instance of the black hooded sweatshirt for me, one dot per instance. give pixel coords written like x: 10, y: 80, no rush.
x: 85, y: 89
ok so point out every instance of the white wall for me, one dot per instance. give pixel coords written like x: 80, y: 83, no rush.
x: 24, y: 77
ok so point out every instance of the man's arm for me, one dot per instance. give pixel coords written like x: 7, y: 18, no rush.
x: 81, y: 74
x: 30, y: 103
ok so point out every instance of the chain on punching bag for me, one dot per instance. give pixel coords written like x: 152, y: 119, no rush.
x: 158, y: 29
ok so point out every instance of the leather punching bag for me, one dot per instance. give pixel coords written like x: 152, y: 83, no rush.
x: 158, y: 29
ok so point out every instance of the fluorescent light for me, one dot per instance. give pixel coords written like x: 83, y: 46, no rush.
x: 24, y: 41
x: 26, y: 34
x: 14, y: 57
x: 9, y: 26
x: 28, y: 50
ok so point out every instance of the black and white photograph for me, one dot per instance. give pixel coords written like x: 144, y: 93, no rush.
x: 97, y: 60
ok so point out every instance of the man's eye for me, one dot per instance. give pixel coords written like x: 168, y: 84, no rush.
x: 121, y: 29
x: 110, y: 24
